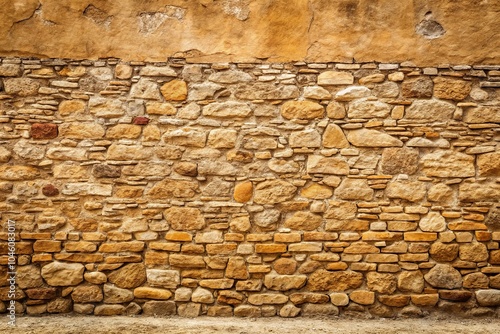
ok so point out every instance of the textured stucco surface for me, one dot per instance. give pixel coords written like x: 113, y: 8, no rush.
x: 424, y: 32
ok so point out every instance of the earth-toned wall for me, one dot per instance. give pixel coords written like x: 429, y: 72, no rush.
x: 428, y: 33
x: 249, y: 189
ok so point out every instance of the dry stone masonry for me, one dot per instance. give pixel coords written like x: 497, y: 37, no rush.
x: 250, y: 189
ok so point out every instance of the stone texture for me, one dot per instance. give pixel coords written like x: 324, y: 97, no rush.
x: 489, y: 164
x: 43, y: 131
x: 444, y: 276
x: 451, y: 89
x: 335, y: 78
x: 368, y: 109
x: 272, y: 192
x: 410, y: 191
x: 243, y: 192
x: 87, y: 294
x: 430, y: 110
x: 304, y: 221
x: 322, y: 280
x: 411, y: 281
x: 306, y: 138
x: 175, y: 90
x: 334, y: 137
x: 284, y: 282
x: 63, y: 274
x: 382, y: 283
x: 354, y: 189
x: 490, y: 298
x: 129, y: 276
x: 448, y: 164
x: 420, y: 87
x: 372, y: 138
x: 302, y: 110
x: 322, y: 165
x: 227, y: 109
x: 399, y: 161
x: 81, y: 131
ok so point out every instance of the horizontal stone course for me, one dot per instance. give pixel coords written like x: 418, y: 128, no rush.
x: 257, y: 189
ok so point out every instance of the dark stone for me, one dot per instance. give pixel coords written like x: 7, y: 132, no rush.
x: 43, y: 131
x: 455, y: 295
x: 140, y: 120
x: 42, y: 293
x: 50, y: 190
x: 106, y: 171
x: 421, y: 87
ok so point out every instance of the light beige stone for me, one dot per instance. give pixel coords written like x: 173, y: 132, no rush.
x: 368, y: 109
x: 227, y: 109
x: 334, y: 137
x: 222, y: 138
x: 274, y: 191
x: 430, y: 110
x: 432, y: 222
x: 329, y: 78
x: 63, y: 274
x: 448, y: 164
x: 81, y: 130
x: 160, y: 108
x: 303, y: 220
x: 184, y: 219
x: 372, y: 138
x: 317, y: 164
x: 307, y: 138
x: 410, y: 191
x: 354, y: 189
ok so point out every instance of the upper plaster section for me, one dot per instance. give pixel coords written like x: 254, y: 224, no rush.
x: 427, y: 33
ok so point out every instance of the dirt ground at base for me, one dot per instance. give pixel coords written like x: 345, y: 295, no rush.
x: 205, y: 325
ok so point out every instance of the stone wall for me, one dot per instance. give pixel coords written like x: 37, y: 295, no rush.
x: 250, y: 189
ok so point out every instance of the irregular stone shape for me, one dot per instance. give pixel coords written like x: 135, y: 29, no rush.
x: 477, y: 192
x: 314, y: 310
x: 444, y: 276
x: 267, y: 218
x: 243, y: 192
x: 159, y: 308
x: 216, y: 168
x: 5, y: 154
x: 43, y: 131
x: 335, y: 110
x: 410, y: 191
x: 316, y: 191
x: 488, y: 298
x: 27, y: 151
x: 354, y: 189
x: 168, y: 188
x: 307, y: 138
x: 289, y: 311
x: 317, y: 164
x: 316, y: 93
x: 127, y: 152
x: 50, y: 190
x: 237, y: 268
x: 482, y: 114
x: 433, y: 222
x: 448, y: 164
x: 443, y: 252
x: 184, y: 219
x: 10, y: 70
x: 21, y: 86
x: 169, y: 279
x: 322, y: 280
x: 267, y: 299
x: 63, y: 274
x: 451, y: 89
x: 474, y: 252
x: 386, y: 90
x: 284, y: 282
x: 175, y: 90
x: 430, y: 110
x: 81, y: 130
x: 302, y: 110
x: 339, y: 299
x: 334, y: 137
x: 285, y: 266
x: 382, y: 283
x: 157, y: 71
x: 411, y: 281
x: 352, y: 92
x: 28, y: 277
x: 106, y: 171
x: 303, y: 220
x: 368, y: 109
x: 372, y: 138
x: 71, y: 107
x: 87, y: 294
x: 420, y: 87
x: 329, y: 78
x: 399, y: 161
x: 230, y: 77
x: 130, y: 276
x: 440, y: 193
x: 106, y: 108
x: 266, y: 91
x: 203, y: 91
x: 362, y: 297
x: 203, y: 296
x: 227, y: 109
x: 247, y: 311
x: 59, y: 305
x: 283, y: 166
x: 160, y: 108
x: 240, y: 224
x: 186, y: 137
x: 145, y: 89
x: 274, y: 191
x: 222, y: 138
x: 476, y: 281
x: 109, y: 310
x: 489, y: 164
x: 124, y: 131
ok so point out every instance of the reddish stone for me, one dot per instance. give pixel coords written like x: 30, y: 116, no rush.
x: 50, y: 190
x: 43, y: 131
x: 140, y: 120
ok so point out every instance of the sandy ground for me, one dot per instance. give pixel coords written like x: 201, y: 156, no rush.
x: 205, y: 325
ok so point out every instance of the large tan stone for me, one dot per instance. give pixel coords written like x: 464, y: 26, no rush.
x: 71, y: 107
x: 420, y: 87
x: 227, y: 109
x: 175, y: 90
x: 444, y: 276
x: 448, y: 164
x: 382, y: 283
x: 411, y: 281
x: 430, y: 110
x: 182, y: 219
x: 399, y: 161
x: 130, y: 276
x: 368, y: 109
x: 489, y: 164
x: 482, y: 114
x: 274, y: 191
x: 354, y: 189
x: 316, y: 191
x: 317, y: 164
x: 451, y: 89
x: 87, y: 294
x: 410, y: 191
x: 328, y: 78
x: 334, y: 137
x: 284, y: 282
x: 63, y: 274
x: 152, y: 293
x: 127, y: 152
x: 302, y: 110
x: 169, y: 188
x: 124, y: 131
x: 21, y: 86
x: 322, y: 280
x: 372, y: 138
x: 474, y: 252
x: 307, y: 138
x: 243, y: 192
x: 160, y: 108
x: 186, y: 137
x: 304, y: 221
x: 18, y: 173
x: 443, y: 252
x: 471, y: 192
x: 266, y: 91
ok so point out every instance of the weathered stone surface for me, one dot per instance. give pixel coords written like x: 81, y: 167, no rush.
x: 28, y: 151
x: 237, y: 268
x: 168, y: 279
x: 490, y: 298
x: 382, y: 283
x: 109, y: 310
x: 399, y: 161
x: 444, y: 276
x: 59, y: 305
x: 482, y: 114
x: 203, y: 296
x: 127, y: 152
x: 87, y: 294
x: 160, y: 108
x: 306, y: 138
x: 10, y: 70
x: 334, y: 137
x: 339, y: 299
x: 440, y: 193
x: 451, y: 89
x: 354, y: 189
x: 351, y: 93
x: 471, y: 192
x: 475, y: 252
x: 222, y: 138
x: 63, y: 274
x: 433, y: 222
x: 182, y: 219
x: 227, y: 109
x: 316, y: 93
x: 317, y: 164
x: 21, y: 86
x: 124, y: 131
x: 267, y: 298
x: 411, y: 281
x: 28, y: 277
x: 130, y: 276
x: 145, y: 89
x: 328, y: 78
x: 289, y: 311
x: 304, y: 221
x: 43, y: 131
x: 368, y: 109
x: 302, y: 110
x: 448, y: 164
x: 410, y: 191
x: 266, y: 91
x: 71, y: 107
x: 372, y: 138
x: 476, y: 281
x: 81, y: 130
x: 272, y: 192
x: 430, y: 110
x: 283, y: 166
x: 443, y: 252
x: 5, y: 154
x: 175, y: 90
x: 186, y: 137
x: 230, y: 77
x: 489, y: 164
x: 173, y: 188
x: 159, y: 308
x: 316, y: 191
x: 420, y: 87
x: 284, y: 282
x: 243, y: 192
x: 322, y: 280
